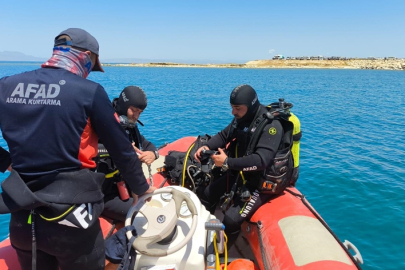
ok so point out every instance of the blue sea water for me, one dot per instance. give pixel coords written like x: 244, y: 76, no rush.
x: 352, y: 149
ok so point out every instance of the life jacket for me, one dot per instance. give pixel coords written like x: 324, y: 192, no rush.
x: 284, y: 170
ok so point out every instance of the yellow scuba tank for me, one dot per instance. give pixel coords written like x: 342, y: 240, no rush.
x: 296, y: 146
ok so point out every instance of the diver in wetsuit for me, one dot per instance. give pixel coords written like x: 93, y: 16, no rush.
x: 245, y: 168
x: 129, y: 106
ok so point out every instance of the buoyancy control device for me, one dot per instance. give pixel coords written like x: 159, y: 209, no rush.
x: 285, y: 114
x: 285, y: 169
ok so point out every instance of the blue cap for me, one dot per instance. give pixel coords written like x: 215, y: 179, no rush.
x: 81, y: 39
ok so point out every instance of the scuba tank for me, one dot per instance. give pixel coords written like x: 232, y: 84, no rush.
x: 296, y: 147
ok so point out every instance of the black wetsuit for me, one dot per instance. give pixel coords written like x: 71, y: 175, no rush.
x: 252, y: 167
x: 114, y: 207
x: 5, y: 160
x: 51, y: 120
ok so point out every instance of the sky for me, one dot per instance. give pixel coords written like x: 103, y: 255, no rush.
x: 210, y: 31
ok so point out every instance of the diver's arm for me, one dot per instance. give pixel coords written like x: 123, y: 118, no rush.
x: 147, y: 145
x: 219, y: 140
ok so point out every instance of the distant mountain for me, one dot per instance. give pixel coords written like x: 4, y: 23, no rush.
x: 17, y: 56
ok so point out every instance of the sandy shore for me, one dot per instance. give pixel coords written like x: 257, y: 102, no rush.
x: 391, y: 64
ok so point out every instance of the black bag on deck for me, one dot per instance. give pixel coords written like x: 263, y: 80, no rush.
x: 182, y: 168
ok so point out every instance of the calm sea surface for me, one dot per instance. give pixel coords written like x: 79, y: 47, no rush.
x: 352, y: 149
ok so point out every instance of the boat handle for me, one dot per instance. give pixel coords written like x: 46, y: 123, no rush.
x: 357, y: 256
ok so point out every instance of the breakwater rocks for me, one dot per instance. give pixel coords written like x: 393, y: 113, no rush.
x: 385, y: 64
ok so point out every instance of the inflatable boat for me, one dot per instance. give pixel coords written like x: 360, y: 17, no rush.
x: 175, y: 231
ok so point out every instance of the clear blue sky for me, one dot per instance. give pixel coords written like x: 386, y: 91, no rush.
x: 221, y: 30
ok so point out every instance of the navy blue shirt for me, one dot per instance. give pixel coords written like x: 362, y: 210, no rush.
x: 52, y: 119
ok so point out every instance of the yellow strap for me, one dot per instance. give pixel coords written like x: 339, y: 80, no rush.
x: 217, y: 264
x: 243, y: 177
x: 243, y: 208
x: 185, y: 164
x: 110, y: 175
x: 241, y: 173
x: 55, y: 218
x: 226, y: 251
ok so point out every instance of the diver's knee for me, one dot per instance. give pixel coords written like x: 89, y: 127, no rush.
x: 207, y: 201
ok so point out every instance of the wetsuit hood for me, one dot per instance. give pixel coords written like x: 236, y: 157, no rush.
x: 245, y: 95
x: 130, y: 96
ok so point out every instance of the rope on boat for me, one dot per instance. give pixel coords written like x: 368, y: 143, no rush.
x: 150, y: 176
x: 259, y: 232
x: 163, y: 183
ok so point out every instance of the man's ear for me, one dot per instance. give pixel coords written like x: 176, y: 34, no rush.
x: 93, y: 58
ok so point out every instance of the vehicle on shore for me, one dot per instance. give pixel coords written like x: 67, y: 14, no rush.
x: 278, y: 57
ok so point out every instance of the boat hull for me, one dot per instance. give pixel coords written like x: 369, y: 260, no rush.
x: 284, y: 233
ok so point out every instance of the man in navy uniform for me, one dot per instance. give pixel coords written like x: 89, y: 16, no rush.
x: 52, y: 119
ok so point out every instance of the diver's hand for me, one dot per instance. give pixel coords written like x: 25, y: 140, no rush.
x: 219, y: 159
x: 150, y: 189
x: 135, y: 197
x: 144, y: 156
x: 197, y: 154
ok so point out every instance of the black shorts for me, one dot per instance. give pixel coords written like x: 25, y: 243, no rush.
x: 58, y: 246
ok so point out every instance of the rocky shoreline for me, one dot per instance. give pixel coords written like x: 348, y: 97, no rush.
x: 385, y: 64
